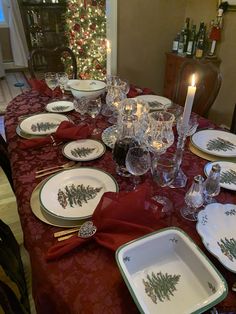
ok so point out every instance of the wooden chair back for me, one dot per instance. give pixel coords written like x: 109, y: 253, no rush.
x: 233, y: 122
x: 208, y: 83
x: 4, y: 161
x: 60, y: 59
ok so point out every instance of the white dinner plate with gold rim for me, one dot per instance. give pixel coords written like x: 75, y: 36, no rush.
x: 42, y: 123
x: 44, y: 216
x: 60, y: 106
x: 215, y: 142
x: 155, y: 102
x: 75, y: 193
x: 84, y: 150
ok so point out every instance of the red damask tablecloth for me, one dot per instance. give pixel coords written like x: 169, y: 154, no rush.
x: 87, y: 280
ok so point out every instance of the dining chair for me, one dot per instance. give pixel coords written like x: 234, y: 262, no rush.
x: 60, y: 59
x: 4, y: 161
x: 208, y: 83
x: 233, y: 122
x: 11, y: 263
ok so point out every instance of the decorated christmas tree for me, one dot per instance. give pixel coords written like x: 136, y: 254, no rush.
x: 86, y: 30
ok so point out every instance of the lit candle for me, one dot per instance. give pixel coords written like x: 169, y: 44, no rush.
x: 189, y: 103
x: 108, y: 58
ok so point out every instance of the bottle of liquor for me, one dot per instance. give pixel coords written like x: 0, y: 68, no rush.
x: 186, y: 33
x: 175, y: 43
x: 181, y: 43
x: 200, y: 46
x: 191, y: 42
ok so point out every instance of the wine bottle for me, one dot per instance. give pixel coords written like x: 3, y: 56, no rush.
x: 186, y: 33
x: 200, y: 43
x: 191, y: 42
x: 181, y: 43
x: 175, y: 43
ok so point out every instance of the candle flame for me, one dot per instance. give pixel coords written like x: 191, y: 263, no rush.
x: 193, y: 80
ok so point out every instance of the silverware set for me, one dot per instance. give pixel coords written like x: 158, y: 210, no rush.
x: 43, y: 172
x: 66, y: 234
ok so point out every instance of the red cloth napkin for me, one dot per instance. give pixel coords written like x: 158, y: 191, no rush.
x: 43, y: 89
x: 119, y: 218
x: 66, y: 131
x: 135, y: 91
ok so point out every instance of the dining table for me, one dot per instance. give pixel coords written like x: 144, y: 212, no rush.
x: 87, y: 280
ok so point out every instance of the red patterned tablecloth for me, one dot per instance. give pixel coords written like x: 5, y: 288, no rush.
x: 87, y: 280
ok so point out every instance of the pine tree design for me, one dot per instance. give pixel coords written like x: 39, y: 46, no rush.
x: 228, y: 177
x: 153, y: 104
x: 219, y: 144
x: 60, y: 108
x: 160, y: 286
x: 81, y: 152
x: 228, y: 248
x: 76, y: 195
x: 231, y: 212
x: 43, y: 126
x: 213, y: 288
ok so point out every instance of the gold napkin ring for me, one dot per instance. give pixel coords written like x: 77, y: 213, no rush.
x: 87, y: 230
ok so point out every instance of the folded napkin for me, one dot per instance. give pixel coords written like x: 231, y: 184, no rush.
x: 135, y: 91
x: 66, y: 131
x: 119, y: 218
x: 43, y: 89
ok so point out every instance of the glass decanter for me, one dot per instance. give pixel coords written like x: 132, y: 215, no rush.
x: 212, y: 184
x: 194, y: 198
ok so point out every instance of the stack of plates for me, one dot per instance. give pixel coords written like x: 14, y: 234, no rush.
x: 68, y: 197
x: 40, y: 124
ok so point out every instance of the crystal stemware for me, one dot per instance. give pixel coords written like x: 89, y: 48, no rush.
x: 63, y: 80
x: 80, y: 105
x: 93, y: 109
x: 138, y: 162
x: 51, y: 79
x: 194, y: 199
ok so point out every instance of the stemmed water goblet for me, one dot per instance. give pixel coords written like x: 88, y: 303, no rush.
x: 63, y: 80
x: 80, y: 105
x: 93, y: 109
x: 138, y: 162
x: 51, y: 79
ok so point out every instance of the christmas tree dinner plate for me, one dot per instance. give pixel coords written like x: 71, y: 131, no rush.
x: 60, y: 106
x: 84, y: 150
x: 166, y: 267
x: 75, y: 193
x: 227, y: 173
x: 155, y: 102
x: 42, y: 123
x: 216, y: 226
x: 215, y: 142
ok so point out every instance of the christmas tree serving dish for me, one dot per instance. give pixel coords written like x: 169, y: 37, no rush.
x: 87, y: 88
x: 227, y: 173
x: 60, y: 106
x: 216, y: 226
x: 74, y: 193
x: 215, y: 142
x: 42, y: 123
x: 155, y: 102
x: 84, y: 150
x: 167, y: 273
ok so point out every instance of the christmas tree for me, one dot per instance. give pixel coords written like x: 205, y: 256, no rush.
x: 86, y: 30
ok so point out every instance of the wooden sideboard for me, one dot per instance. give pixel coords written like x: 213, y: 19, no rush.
x: 173, y: 63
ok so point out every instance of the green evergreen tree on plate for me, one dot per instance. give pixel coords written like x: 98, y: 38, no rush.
x: 76, y: 195
x: 219, y: 144
x: 81, y: 152
x: 43, y: 126
x: 160, y: 286
x: 228, y: 177
x: 228, y: 247
x: 60, y: 108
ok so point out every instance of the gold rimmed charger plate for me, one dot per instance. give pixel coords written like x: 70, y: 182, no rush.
x: 44, y: 216
x: 209, y: 157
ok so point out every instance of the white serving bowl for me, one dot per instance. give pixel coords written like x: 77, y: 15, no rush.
x: 87, y: 88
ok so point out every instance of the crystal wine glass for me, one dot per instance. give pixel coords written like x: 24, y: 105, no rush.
x: 138, y: 162
x: 93, y: 109
x: 80, y: 105
x: 63, y: 80
x: 194, y: 199
x: 192, y: 125
x: 51, y: 79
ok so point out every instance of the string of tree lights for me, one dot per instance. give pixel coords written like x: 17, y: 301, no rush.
x: 86, y: 30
